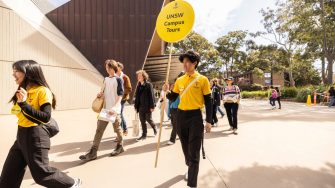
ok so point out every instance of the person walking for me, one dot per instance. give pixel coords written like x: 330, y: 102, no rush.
x: 331, y: 93
x: 194, y: 92
x: 278, y: 96
x: 127, y: 90
x: 112, y: 94
x: 231, y: 98
x: 173, y: 109
x: 33, y: 102
x: 273, y: 97
x: 144, y: 103
x: 216, y: 99
x: 160, y: 102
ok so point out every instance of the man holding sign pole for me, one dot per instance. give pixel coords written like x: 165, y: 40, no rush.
x: 174, y: 23
x: 195, y: 93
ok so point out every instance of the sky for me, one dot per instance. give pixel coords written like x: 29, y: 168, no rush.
x: 215, y: 18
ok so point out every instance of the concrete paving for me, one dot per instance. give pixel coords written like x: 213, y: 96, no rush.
x: 288, y: 148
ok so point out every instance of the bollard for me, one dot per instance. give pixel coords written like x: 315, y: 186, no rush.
x: 309, y: 101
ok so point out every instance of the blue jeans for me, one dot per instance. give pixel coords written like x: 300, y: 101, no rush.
x: 332, y: 101
x: 220, y: 111
x: 123, y: 121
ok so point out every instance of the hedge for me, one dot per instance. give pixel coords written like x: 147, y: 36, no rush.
x: 298, y: 94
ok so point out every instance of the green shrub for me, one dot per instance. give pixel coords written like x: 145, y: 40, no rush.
x: 252, y: 87
x: 254, y: 94
x: 303, y: 94
x: 289, y: 92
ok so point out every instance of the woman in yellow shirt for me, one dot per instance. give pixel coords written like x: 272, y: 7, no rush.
x: 32, y: 105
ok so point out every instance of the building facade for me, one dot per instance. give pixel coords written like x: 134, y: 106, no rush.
x: 71, y: 42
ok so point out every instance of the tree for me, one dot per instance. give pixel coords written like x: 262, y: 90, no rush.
x: 230, y: 49
x: 210, y: 63
x: 274, y: 24
x: 313, y: 25
x: 304, y: 71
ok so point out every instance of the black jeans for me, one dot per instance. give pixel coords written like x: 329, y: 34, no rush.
x: 31, y: 149
x: 273, y: 101
x: 146, y: 117
x: 214, y: 117
x: 278, y: 99
x: 173, y: 136
x: 221, y: 112
x: 231, y: 109
x: 190, y: 129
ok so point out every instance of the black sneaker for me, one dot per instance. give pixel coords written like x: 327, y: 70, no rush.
x: 90, y: 155
x: 141, y: 138
x: 119, y: 149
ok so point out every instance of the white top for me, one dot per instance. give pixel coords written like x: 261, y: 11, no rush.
x: 113, y: 89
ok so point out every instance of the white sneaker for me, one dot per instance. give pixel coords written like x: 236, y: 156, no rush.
x: 234, y: 131
x: 186, y: 176
x: 170, y: 143
x: 231, y: 128
x: 77, y: 183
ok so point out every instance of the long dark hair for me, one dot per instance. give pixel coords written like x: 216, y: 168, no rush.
x: 33, y: 76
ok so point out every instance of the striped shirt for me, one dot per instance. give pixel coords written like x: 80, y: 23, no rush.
x: 231, y: 94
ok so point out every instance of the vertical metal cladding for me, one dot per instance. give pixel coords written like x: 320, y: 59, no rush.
x: 102, y: 29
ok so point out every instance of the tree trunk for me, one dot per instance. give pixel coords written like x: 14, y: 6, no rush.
x: 227, y: 71
x: 323, y: 69
x: 290, y: 72
x: 330, y: 70
x: 292, y: 82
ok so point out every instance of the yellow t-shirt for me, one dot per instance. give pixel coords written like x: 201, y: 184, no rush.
x: 37, y: 96
x: 193, y: 99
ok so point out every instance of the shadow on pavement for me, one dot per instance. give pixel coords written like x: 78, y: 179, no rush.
x: 259, y: 176
x: 171, y: 182
x: 82, y: 147
x: 218, y: 134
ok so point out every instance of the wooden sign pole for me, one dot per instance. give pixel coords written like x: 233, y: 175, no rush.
x: 163, y: 105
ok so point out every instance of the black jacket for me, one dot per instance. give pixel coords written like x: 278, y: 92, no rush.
x: 144, y: 98
x: 216, y: 95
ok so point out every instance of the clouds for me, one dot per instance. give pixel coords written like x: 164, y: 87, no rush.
x: 213, y: 16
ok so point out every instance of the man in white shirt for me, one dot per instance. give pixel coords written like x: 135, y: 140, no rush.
x: 112, y: 94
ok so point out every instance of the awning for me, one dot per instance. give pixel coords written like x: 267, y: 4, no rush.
x: 156, y: 67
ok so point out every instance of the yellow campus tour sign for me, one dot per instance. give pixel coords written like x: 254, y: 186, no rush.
x: 175, y: 21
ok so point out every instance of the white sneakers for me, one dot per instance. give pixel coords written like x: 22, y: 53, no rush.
x: 77, y: 183
x: 170, y: 143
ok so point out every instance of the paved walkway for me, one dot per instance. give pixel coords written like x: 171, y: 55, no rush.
x: 288, y: 148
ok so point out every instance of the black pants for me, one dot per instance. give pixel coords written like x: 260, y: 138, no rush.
x: 272, y: 101
x: 214, y: 117
x: 190, y: 130
x: 31, y: 149
x: 146, y: 117
x: 278, y: 99
x: 173, y: 136
x: 231, y: 109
